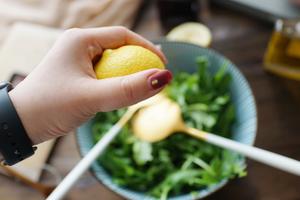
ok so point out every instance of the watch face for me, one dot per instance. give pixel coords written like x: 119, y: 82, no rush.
x: 16, y: 79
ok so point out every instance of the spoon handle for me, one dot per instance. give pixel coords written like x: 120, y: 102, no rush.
x: 269, y: 158
x: 66, y: 184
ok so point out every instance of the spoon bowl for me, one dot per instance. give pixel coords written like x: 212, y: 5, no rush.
x: 158, y: 121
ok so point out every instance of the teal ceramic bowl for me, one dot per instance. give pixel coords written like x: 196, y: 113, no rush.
x: 181, y: 57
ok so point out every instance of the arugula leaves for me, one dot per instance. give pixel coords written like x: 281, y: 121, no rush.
x: 180, y: 163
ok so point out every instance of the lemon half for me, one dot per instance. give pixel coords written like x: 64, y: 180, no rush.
x: 191, y: 32
x: 126, y: 60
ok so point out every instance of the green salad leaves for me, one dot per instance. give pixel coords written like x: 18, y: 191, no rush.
x: 179, y: 164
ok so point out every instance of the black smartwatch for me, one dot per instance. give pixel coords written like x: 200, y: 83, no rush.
x: 15, y: 144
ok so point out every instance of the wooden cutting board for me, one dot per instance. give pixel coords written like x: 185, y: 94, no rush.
x: 24, y: 47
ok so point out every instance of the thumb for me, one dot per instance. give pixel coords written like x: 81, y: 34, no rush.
x: 114, y: 93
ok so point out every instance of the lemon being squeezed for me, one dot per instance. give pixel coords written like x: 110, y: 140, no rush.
x: 126, y: 60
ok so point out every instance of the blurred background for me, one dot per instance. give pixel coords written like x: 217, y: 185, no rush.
x: 262, y: 37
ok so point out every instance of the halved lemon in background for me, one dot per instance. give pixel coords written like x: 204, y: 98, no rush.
x: 191, y: 32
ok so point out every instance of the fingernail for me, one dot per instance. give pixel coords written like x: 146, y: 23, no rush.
x: 160, y: 79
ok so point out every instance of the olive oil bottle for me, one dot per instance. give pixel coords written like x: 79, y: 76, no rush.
x: 283, y: 52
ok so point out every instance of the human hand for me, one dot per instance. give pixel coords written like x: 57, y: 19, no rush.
x: 62, y: 92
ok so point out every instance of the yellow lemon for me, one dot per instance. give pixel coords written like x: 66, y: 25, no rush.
x: 191, y: 32
x: 126, y: 60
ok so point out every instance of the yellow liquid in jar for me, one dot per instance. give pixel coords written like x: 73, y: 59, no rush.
x: 283, y: 55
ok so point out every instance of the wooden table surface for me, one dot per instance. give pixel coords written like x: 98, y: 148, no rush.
x: 243, y: 40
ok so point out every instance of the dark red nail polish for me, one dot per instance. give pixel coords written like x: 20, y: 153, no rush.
x: 160, y: 79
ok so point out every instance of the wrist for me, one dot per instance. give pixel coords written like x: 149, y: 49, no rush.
x: 23, y: 111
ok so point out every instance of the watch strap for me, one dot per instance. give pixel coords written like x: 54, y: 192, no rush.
x: 1, y: 157
x: 15, y: 145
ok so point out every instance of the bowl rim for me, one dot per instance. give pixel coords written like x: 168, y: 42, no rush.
x: 188, y: 196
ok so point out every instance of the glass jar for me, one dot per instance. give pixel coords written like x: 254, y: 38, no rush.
x: 283, y: 53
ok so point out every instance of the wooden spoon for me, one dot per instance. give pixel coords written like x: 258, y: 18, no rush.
x: 66, y: 184
x: 157, y: 122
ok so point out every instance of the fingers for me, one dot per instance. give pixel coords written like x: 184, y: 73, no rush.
x: 114, y: 93
x: 114, y: 37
